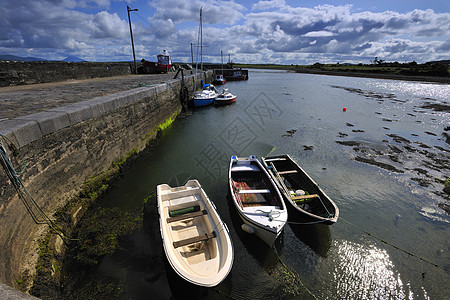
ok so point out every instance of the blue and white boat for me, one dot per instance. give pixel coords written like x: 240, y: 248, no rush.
x: 257, y: 199
x: 205, y: 96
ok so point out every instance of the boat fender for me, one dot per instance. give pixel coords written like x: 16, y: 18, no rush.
x: 252, y: 157
x: 248, y: 228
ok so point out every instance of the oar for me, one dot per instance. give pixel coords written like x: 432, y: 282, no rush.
x: 280, y: 178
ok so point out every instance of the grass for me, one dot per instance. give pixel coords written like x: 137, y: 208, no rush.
x: 404, y: 69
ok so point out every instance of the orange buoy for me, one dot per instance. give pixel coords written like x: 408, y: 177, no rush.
x: 344, y: 109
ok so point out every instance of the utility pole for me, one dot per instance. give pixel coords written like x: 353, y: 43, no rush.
x: 131, y: 33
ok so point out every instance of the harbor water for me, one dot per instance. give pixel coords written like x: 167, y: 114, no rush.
x: 379, y: 148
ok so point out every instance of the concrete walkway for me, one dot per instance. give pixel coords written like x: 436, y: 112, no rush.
x: 17, y: 101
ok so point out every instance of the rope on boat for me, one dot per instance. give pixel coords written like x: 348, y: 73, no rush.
x: 39, y: 217
x: 397, y: 247
x: 292, y: 273
x: 273, y: 149
x: 270, y: 214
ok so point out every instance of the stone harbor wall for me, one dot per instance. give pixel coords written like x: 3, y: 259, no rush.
x: 29, y: 72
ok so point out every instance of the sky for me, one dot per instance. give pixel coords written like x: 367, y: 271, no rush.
x: 257, y: 32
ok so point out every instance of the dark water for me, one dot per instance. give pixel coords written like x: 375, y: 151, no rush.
x: 378, y: 161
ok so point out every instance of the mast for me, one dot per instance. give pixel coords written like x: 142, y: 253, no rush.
x: 198, y: 37
x: 201, y: 40
x: 221, y: 58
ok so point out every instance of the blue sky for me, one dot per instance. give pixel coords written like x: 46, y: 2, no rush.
x: 277, y: 31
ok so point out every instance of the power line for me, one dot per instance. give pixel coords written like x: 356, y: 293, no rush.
x: 154, y: 28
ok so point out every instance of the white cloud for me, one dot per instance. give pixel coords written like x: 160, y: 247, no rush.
x: 321, y: 33
x: 271, y: 31
x: 263, y: 5
x: 214, y: 12
x: 105, y: 25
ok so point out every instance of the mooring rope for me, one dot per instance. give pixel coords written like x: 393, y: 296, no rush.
x: 307, y: 223
x: 292, y: 273
x: 40, y: 217
x: 396, y: 247
x: 228, y: 296
x: 15, y: 152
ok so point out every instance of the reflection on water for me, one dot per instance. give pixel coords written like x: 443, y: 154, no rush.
x: 317, y: 237
x: 366, y: 272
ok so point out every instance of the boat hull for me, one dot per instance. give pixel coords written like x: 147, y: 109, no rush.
x: 316, y: 207
x: 202, y: 102
x: 149, y: 67
x: 257, y: 199
x: 196, y: 242
x: 224, y: 101
x: 205, y: 97
x: 267, y: 236
x: 237, y: 78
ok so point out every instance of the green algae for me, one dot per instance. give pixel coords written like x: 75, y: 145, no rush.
x: 100, y: 231
x: 447, y: 186
x: 48, y: 271
x: 156, y: 133
x: 167, y: 122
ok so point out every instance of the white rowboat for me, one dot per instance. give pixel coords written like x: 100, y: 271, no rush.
x: 196, y: 241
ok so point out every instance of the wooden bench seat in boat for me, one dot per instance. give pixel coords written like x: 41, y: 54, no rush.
x: 261, y: 191
x: 304, y: 197
x: 195, y: 239
x: 187, y: 216
x: 287, y: 172
x: 276, y: 159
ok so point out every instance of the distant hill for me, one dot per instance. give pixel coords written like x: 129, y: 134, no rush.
x: 18, y: 58
x: 73, y: 59
x: 447, y: 61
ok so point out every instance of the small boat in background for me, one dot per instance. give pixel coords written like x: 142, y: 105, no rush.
x: 308, y: 201
x: 256, y: 198
x: 225, y: 98
x: 163, y: 64
x: 205, y: 96
x: 196, y: 241
x: 219, y: 79
x: 235, y: 75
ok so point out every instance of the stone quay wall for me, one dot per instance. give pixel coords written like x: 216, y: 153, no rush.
x: 29, y: 72
x: 64, y: 147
